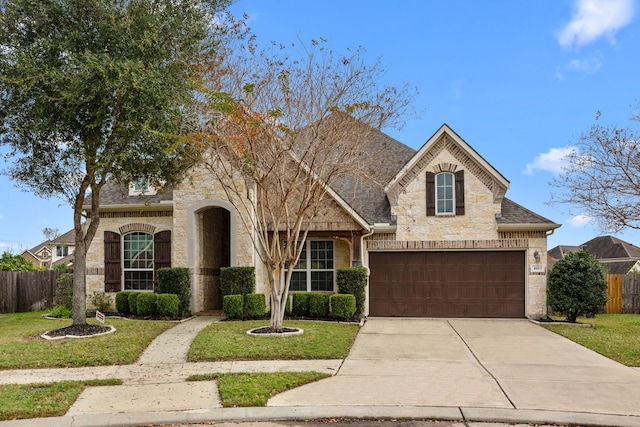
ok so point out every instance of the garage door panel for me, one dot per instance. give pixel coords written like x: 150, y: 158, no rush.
x: 447, y: 284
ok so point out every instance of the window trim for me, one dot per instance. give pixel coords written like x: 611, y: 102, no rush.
x: 130, y: 269
x: 453, y: 195
x: 308, y: 269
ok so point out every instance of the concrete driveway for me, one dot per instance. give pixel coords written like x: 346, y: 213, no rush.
x: 471, y: 363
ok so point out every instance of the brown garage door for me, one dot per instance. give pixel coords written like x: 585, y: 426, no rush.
x: 447, y: 284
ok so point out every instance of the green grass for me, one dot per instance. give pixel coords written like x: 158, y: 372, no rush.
x: 616, y: 336
x: 18, y: 401
x: 228, y: 341
x: 23, y: 348
x: 245, y: 390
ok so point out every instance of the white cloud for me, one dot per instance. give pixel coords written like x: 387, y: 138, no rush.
x: 594, y: 19
x: 581, y: 65
x: 580, y: 221
x: 552, y: 161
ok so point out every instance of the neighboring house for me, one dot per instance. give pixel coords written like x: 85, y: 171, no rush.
x: 52, y: 252
x: 618, y: 256
x: 434, y: 229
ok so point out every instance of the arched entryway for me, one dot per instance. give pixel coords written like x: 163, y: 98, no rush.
x: 212, y: 246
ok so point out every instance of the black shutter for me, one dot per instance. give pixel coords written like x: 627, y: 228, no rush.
x: 459, y: 192
x: 112, y: 262
x: 161, y: 252
x: 431, y: 194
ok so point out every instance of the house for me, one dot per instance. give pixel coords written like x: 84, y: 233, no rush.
x: 618, y: 256
x: 52, y: 252
x: 435, y: 230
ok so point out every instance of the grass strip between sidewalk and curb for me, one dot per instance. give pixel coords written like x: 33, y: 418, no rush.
x: 255, y: 389
x: 616, y: 336
x: 23, y: 348
x: 228, y: 341
x: 20, y: 401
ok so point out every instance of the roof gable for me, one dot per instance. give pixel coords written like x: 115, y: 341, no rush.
x: 609, y: 247
x: 446, y: 139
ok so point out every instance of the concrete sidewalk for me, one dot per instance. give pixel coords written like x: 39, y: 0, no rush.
x: 457, y: 370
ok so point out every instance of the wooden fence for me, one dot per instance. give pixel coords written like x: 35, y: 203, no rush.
x: 623, y: 291
x: 27, y: 291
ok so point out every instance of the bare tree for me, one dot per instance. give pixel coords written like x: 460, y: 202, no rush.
x: 282, y: 130
x: 51, y: 233
x: 602, y: 177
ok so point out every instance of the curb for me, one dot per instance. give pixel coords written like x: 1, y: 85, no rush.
x: 300, y: 413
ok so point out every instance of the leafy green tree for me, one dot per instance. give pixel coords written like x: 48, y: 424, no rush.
x: 94, y: 90
x: 577, y: 286
x: 9, y: 262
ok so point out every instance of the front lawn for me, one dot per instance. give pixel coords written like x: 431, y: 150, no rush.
x: 228, y: 341
x: 245, y: 390
x: 23, y: 348
x: 616, y: 336
x: 18, y: 401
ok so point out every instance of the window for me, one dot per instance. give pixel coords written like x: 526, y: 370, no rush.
x: 138, y: 261
x: 314, y: 270
x: 444, y: 193
x: 62, y: 250
x: 141, y: 185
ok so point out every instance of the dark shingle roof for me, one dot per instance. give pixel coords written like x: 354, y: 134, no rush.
x: 618, y: 267
x: 118, y: 194
x: 513, y: 213
x: 606, y: 247
x: 560, y: 251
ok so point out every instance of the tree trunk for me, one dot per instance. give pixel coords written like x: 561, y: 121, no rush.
x: 79, y: 278
x: 277, y: 314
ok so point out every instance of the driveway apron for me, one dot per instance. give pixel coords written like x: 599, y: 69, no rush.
x: 472, y: 363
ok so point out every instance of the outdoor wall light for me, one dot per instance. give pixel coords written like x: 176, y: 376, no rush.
x: 536, y: 255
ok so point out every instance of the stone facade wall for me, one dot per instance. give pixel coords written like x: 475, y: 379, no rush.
x: 117, y: 222
x: 478, y: 221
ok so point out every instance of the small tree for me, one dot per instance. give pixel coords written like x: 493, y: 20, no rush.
x: 9, y: 262
x: 577, y: 286
x: 283, y: 129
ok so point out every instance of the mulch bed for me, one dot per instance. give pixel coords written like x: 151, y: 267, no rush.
x: 270, y: 330
x: 79, y: 331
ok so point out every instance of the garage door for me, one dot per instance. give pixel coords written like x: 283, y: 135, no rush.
x: 447, y: 284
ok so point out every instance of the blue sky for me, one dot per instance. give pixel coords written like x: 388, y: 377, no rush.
x: 518, y: 80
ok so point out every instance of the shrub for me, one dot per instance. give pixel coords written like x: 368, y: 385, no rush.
x: 353, y: 280
x: 146, y: 304
x: 61, y: 311
x: 168, y: 305
x: 301, y: 304
x: 237, y: 280
x: 577, y: 286
x: 64, y: 291
x: 233, y: 306
x: 343, y: 306
x: 176, y: 280
x: 319, y: 305
x: 287, y: 307
x: 122, y: 302
x: 133, y: 302
x: 101, y: 301
x: 255, y: 306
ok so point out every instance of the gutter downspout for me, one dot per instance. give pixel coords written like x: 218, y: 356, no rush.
x: 366, y: 265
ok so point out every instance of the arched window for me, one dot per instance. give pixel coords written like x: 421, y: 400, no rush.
x: 445, y: 196
x: 137, y: 261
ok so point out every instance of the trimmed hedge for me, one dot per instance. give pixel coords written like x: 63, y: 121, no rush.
x: 176, y: 280
x: 233, y: 306
x: 353, y: 280
x: 301, y: 304
x: 237, y: 280
x: 146, y: 304
x: 319, y: 305
x: 168, y: 305
x: 343, y: 306
x: 122, y: 302
x: 133, y: 302
x: 255, y: 306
